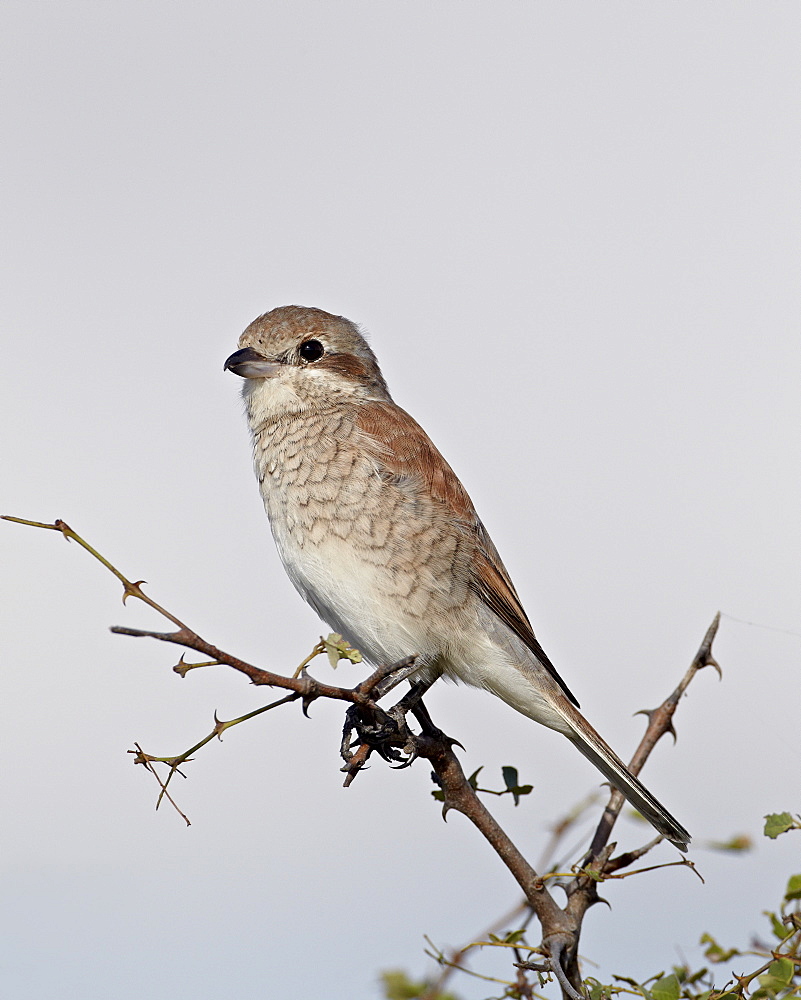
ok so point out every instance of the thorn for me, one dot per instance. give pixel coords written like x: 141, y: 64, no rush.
x: 63, y: 527
x: 309, y: 695
x: 219, y: 725
x: 182, y: 667
x: 710, y: 661
x: 649, y: 714
x: 132, y: 590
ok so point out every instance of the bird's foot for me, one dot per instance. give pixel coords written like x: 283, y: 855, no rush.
x: 384, y: 732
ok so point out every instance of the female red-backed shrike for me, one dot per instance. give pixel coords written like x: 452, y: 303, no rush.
x: 381, y: 538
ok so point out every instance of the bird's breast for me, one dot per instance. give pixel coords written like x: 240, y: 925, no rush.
x: 381, y: 564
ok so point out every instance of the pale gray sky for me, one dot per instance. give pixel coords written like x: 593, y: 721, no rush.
x: 572, y: 231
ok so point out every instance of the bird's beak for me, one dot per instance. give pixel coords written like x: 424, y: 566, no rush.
x: 250, y: 364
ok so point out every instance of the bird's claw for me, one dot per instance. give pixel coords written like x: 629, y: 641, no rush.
x: 384, y: 732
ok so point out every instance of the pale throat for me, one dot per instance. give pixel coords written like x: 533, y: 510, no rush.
x: 268, y: 399
x: 292, y: 393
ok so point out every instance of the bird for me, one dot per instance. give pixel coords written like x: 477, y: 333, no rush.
x: 379, y: 536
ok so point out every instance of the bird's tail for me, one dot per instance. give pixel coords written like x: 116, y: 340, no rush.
x: 615, y: 771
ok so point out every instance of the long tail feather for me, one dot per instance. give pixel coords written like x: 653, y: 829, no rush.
x: 595, y: 749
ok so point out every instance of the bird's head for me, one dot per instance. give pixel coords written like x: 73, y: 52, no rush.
x: 296, y: 358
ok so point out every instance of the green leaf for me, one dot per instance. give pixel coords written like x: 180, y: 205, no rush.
x: 338, y: 649
x: 521, y: 790
x: 398, y: 986
x: 780, y: 972
x: 634, y: 983
x: 735, y: 844
x: 793, y: 887
x: 598, y: 991
x: 473, y: 779
x: 780, y: 930
x: 714, y: 952
x: 690, y: 978
x: 776, y: 823
x: 681, y: 972
x: 666, y: 988
x: 509, y: 776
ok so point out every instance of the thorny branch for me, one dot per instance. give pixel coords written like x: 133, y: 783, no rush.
x: 304, y: 687
x: 660, y: 722
x: 599, y: 865
x: 582, y: 891
x: 387, y: 732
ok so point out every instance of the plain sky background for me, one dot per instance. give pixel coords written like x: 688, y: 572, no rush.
x: 572, y: 233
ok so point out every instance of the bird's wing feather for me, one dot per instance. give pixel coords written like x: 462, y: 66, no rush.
x: 403, y: 450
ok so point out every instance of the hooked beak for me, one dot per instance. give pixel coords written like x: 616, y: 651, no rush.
x: 248, y: 363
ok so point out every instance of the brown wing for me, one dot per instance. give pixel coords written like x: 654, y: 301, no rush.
x: 404, y: 450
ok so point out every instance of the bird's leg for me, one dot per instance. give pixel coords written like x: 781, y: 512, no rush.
x: 412, y: 702
x: 387, y: 731
x: 426, y: 723
x: 394, y: 679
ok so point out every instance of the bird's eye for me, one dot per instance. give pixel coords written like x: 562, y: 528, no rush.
x: 311, y: 350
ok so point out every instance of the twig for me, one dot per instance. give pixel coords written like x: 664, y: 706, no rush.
x: 130, y: 589
x: 582, y: 892
x: 303, y: 687
x: 660, y: 722
x: 455, y: 961
x: 599, y: 865
x: 559, y: 933
x: 174, y: 763
x: 142, y: 758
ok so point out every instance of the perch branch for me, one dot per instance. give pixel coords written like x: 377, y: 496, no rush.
x: 558, y: 930
x: 582, y: 890
x: 660, y: 722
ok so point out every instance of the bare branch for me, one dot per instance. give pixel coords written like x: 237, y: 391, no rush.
x: 582, y: 890
x: 660, y: 722
x: 143, y: 758
x: 306, y: 687
x: 174, y: 763
x: 559, y: 933
x: 130, y: 589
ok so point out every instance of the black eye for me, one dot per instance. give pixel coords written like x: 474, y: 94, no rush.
x: 311, y: 350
